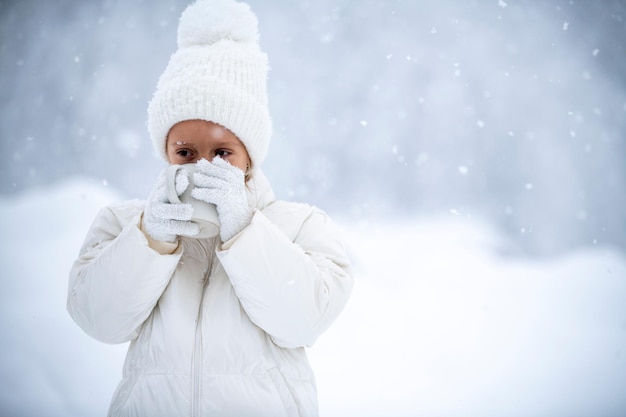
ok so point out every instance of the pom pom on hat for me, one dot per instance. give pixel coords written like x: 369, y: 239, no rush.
x: 218, y: 74
x: 206, y: 22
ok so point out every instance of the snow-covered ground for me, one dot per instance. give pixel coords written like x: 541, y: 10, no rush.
x: 440, y: 322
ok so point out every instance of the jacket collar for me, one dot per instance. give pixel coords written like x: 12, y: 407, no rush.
x: 259, y: 191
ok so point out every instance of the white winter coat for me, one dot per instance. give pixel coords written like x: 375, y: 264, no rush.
x: 215, y: 330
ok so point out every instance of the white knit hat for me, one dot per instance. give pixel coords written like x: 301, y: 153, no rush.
x: 218, y: 74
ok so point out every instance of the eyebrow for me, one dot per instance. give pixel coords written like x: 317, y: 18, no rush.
x: 229, y: 143
x: 180, y: 143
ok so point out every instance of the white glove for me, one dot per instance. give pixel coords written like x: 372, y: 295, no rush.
x: 163, y: 220
x: 220, y: 183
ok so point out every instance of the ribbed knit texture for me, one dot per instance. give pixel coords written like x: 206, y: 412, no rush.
x: 218, y: 74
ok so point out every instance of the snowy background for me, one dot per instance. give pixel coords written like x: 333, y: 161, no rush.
x: 473, y: 151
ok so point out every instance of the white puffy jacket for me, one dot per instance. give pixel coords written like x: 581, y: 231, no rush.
x: 215, y: 330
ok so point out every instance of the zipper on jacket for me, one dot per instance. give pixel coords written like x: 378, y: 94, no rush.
x: 196, y: 369
x: 196, y: 356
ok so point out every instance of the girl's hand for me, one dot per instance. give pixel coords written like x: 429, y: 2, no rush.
x: 163, y: 220
x: 220, y: 183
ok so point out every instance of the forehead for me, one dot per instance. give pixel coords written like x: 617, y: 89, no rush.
x: 199, y: 132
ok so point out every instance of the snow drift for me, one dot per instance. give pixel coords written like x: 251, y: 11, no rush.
x: 440, y: 322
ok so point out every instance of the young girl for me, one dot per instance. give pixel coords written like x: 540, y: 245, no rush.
x: 217, y: 326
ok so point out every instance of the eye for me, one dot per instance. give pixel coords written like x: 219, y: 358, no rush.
x: 184, y: 153
x: 222, y: 153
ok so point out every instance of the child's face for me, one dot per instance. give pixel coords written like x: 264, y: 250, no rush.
x: 192, y: 140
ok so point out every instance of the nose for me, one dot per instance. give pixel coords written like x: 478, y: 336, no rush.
x: 208, y: 156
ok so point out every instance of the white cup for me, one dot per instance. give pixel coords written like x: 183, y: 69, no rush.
x: 204, y: 214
